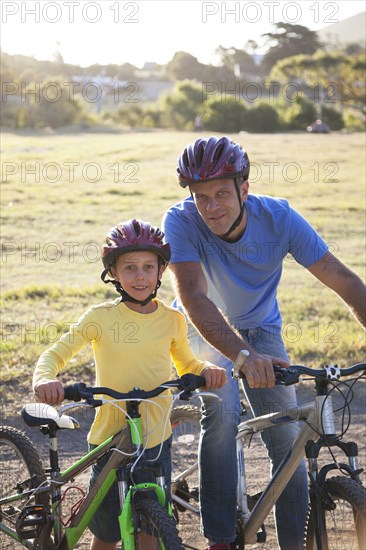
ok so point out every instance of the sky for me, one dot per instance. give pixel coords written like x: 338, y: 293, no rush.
x: 87, y: 32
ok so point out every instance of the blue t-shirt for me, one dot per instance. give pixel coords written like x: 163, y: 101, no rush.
x: 243, y: 276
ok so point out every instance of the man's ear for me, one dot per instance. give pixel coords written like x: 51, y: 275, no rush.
x: 244, y: 190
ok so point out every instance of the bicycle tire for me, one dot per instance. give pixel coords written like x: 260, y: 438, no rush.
x: 20, y: 469
x: 345, y: 526
x: 186, y: 428
x: 157, y: 530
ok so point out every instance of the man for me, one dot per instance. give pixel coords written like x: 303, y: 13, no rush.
x: 228, y: 248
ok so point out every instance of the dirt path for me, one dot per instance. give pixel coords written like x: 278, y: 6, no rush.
x: 72, y: 444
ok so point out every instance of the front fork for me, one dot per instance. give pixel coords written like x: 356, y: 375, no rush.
x: 127, y: 518
x: 325, y: 412
x: 320, y: 501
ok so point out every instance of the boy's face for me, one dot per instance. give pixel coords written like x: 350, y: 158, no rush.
x: 138, y: 273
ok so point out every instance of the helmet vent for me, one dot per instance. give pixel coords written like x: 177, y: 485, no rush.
x: 218, y: 152
x: 199, y: 155
x: 136, y: 227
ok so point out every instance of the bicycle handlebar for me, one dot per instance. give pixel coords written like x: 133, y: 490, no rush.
x: 191, y: 382
x: 187, y: 383
x: 291, y: 375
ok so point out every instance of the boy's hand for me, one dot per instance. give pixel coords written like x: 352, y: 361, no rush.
x: 215, y: 377
x: 50, y: 392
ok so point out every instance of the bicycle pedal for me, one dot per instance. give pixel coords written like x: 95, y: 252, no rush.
x: 29, y: 521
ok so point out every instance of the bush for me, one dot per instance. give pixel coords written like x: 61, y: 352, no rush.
x: 332, y: 117
x: 41, y: 110
x: 130, y: 116
x: 355, y: 122
x: 13, y: 115
x: 223, y: 115
x: 299, y: 114
x: 262, y: 118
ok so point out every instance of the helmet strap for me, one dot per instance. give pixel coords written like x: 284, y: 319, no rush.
x: 241, y: 213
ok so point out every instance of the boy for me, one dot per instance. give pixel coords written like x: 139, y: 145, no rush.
x: 134, y: 338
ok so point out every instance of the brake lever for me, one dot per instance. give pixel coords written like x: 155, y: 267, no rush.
x: 286, y: 377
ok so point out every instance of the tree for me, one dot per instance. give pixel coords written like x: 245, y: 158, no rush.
x: 184, y: 66
x: 7, y: 72
x: 251, y: 47
x: 333, y: 76
x: 237, y: 59
x: 180, y: 107
x: 354, y: 84
x: 289, y: 40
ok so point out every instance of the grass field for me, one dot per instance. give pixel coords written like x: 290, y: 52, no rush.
x: 61, y: 192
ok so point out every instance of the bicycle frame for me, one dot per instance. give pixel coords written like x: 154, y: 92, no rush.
x: 319, y: 414
x: 253, y: 520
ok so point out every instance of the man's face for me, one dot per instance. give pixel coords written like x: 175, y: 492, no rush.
x: 218, y: 204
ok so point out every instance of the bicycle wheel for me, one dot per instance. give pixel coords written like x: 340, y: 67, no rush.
x: 157, y: 530
x: 186, y: 429
x: 20, y: 469
x: 345, y: 525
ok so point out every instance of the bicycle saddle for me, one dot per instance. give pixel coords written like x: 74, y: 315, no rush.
x: 40, y: 414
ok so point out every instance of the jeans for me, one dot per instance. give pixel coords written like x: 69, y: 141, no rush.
x: 218, y: 472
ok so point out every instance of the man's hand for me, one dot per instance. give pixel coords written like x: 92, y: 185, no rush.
x: 50, y: 392
x: 215, y: 377
x: 258, y: 369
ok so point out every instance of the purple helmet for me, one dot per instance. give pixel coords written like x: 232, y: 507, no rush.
x: 132, y: 236
x: 206, y: 160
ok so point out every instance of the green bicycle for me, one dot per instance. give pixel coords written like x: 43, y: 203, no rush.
x: 31, y: 497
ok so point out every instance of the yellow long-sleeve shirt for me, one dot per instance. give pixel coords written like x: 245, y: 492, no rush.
x: 130, y: 350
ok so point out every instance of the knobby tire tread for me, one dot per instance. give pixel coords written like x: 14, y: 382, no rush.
x: 164, y: 523
x: 344, y: 488
x: 30, y: 456
x: 34, y: 473
x: 185, y: 412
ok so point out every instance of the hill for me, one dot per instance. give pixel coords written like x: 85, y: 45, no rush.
x: 348, y: 31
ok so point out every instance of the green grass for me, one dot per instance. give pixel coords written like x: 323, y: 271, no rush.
x: 54, y: 221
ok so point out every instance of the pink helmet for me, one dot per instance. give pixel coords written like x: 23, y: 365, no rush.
x: 206, y: 160
x: 131, y: 236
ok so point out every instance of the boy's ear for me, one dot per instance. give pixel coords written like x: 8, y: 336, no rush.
x: 113, y: 272
x: 162, y: 268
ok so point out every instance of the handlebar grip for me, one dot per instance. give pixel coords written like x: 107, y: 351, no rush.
x: 191, y: 382
x: 283, y: 376
x: 74, y: 392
